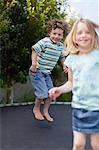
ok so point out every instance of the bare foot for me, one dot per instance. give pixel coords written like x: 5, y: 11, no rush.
x: 38, y: 114
x: 48, y: 117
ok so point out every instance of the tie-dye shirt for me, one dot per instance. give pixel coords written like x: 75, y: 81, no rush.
x: 85, y: 70
x: 48, y: 53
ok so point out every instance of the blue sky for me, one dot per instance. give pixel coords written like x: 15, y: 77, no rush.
x: 87, y: 8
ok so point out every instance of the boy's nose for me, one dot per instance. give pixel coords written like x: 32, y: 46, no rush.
x: 57, y: 36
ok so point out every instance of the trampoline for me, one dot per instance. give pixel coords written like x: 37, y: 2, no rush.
x: 20, y: 131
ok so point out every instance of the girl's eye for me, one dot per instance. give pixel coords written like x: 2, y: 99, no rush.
x: 87, y: 32
x: 79, y: 32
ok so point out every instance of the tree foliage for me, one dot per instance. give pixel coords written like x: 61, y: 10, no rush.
x: 13, y: 52
x: 22, y: 23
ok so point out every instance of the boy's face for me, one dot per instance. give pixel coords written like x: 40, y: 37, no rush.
x: 56, y: 35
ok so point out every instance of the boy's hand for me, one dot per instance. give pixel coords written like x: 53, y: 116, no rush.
x: 65, y: 69
x: 33, y: 68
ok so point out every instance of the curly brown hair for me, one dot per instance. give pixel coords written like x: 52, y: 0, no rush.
x: 56, y: 23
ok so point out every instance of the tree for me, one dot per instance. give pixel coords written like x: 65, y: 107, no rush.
x: 22, y: 23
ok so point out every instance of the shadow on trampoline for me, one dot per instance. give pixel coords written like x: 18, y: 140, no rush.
x: 20, y: 131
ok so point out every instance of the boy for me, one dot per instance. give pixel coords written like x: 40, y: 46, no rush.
x: 45, y: 55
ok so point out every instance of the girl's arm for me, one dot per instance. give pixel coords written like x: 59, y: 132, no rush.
x: 67, y: 87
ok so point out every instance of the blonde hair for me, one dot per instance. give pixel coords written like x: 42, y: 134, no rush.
x: 70, y: 42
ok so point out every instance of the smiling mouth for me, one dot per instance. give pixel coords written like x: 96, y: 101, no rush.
x: 84, y: 40
x: 55, y: 41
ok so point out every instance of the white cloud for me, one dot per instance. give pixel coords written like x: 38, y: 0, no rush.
x: 88, y: 9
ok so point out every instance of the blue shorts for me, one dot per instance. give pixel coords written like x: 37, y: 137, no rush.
x: 41, y: 83
x: 85, y: 121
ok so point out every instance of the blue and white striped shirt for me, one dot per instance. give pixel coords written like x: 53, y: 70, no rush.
x: 48, y: 53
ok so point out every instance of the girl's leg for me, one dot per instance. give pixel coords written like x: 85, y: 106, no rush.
x: 46, y: 109
x: 36, y: 110
x: 94, y: 141
x: 79, y: 140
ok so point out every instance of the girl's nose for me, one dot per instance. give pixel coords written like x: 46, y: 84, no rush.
x: 83, y: 34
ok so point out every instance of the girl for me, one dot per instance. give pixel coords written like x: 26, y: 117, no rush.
x: 83, y: 70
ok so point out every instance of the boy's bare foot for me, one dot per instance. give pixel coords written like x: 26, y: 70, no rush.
x: 38, y: 114
x: 48, y: 117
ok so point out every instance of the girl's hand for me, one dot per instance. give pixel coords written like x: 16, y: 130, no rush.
x: 54, y: 93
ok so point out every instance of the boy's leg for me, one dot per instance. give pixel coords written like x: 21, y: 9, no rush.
x: 79, y: 140
x: 94, y: 141
x: 46, y: 109
x: 36, y: 110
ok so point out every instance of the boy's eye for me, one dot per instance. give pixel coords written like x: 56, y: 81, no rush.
x: 57, y: 34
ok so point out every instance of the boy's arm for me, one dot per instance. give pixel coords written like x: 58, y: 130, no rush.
x: 34, y: 58
x: 64, y: 67
x: 67, y: 87
x: 62, y: 61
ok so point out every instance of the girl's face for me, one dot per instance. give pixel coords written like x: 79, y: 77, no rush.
x: 83, y: 37
x: 56, y: 35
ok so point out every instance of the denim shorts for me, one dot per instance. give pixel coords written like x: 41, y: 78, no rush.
x: 85, y: 121
x: 41, y: 83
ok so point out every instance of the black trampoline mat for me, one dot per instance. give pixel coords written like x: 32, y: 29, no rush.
x: 20, y: 131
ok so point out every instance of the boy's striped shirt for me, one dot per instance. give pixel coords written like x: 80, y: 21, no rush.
x: 48, y: 54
